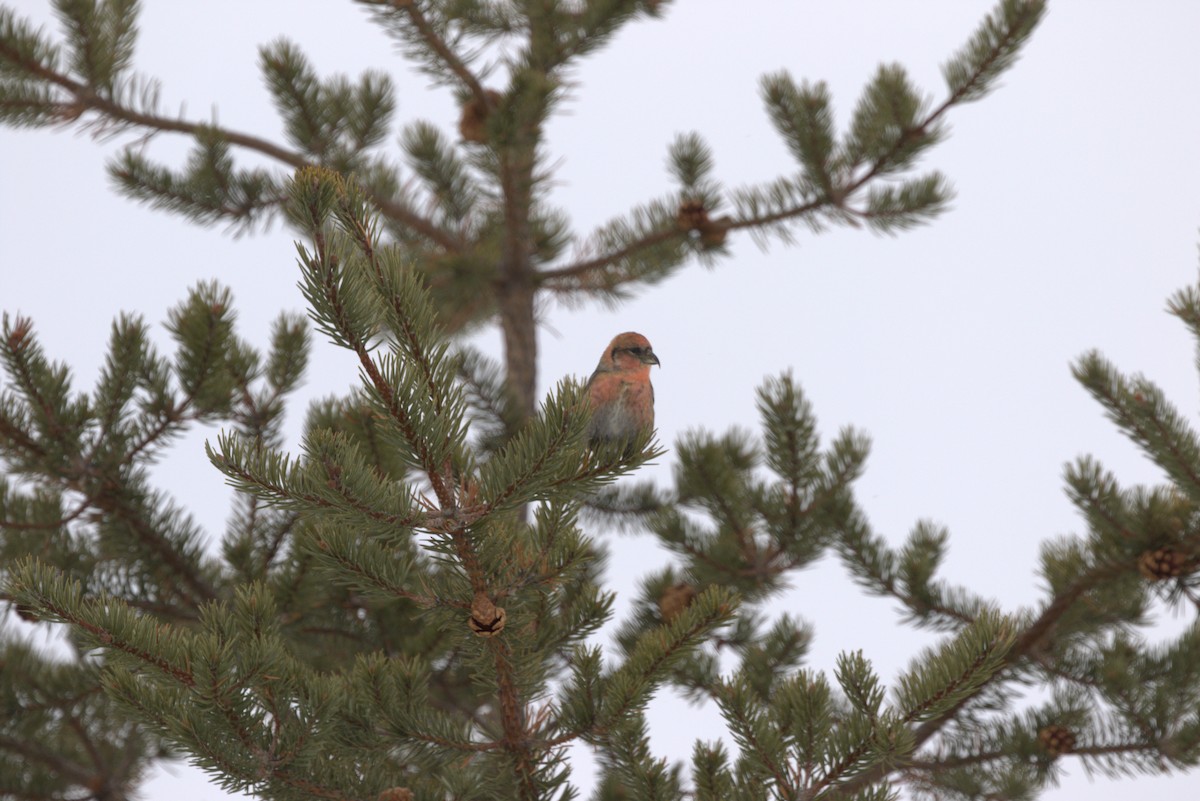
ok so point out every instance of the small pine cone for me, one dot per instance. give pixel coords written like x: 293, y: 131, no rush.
x: 675, y: 599
x: 713, y: 233
x: 693, y: 219
x: 1056, y: 740
x: 487, y: 619
x: 1163, y: 563
x: 692, y: 216
x: 396, y: 794
x: 18, y: 336
x: 472, y: 125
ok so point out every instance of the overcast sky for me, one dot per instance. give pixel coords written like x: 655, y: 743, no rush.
x: 1078, y: 201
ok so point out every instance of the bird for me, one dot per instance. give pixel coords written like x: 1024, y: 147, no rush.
x: 619, y: 391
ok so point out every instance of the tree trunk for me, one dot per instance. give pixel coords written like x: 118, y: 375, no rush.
x: 520, y: 341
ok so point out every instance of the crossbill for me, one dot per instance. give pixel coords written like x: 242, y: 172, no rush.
x: 619, y: 392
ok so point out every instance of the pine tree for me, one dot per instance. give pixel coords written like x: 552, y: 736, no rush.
x: 407, y: 607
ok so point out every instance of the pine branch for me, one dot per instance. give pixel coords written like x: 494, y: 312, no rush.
x: 582, y: 270
x: 117, y: 504
x: 1026, y: 641
x: 241, y: 198
x: 976, y: 68
x: 441, y: 48
x: 746, y: 725
x: 657, y: 650
x: 45, y: 756
x: 1140, y: 409
x: 1001, y: 755
x: 512, y: 719
x: 84, y: 99
x: 372, y: 566
x: 425, y: 41
x: 314, y: 193
x: 122, y: 496
x: 83, y: 506
x: 104, y: 618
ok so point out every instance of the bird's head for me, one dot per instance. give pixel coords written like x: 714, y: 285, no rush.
x: 630, y: 351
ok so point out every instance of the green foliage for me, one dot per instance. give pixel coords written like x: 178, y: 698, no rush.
x: 332, y: 121
x: 469, y: 201
x: 24, y: 101
x: 803, y: 117
x: 100, y: 36
x: 974, y: 70
x: 326, y: 544
x: 412, y: 597
x: 208, y: 190
x: 396, y: 552
x: 435, y: 161
x: 60, y: 732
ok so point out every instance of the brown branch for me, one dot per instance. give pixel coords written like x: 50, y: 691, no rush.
x: 62, y: 521
x: 282, y: 529
x: 38, y: 754
x: 106, y: 499
x: 517, y: 282
x: 76, y: 725
x: 106, y: 637
x: 608, y: 259
x: 837, y: 198
x: 1022, y: 647
x: 19, y: 437
x: 87, y: 99
x: 423, y: 601
x: 149, y: 535
x: 966, y: 760
x: 386, y: 392
x: 512, y: 718
x: 439, y: 46
x: 784, y: 788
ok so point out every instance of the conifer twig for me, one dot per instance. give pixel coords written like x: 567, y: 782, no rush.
x: 87, y: 100
x: 1024, y: 644
x: 439, y: 46
x: 31, y: 751
x: 838, y: 198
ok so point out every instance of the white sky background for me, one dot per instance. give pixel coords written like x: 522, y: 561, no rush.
x: 1078, y: 201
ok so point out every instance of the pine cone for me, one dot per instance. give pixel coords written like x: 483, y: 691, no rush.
x: 1163, y: 563
x: 18, y: 337
x: 713, y: 235
x: 487, y: 619
x: 472, y: 125
x: 674, y: 600
x: 693, y: 218
x: 396, y: 794
x: 1056, y: 740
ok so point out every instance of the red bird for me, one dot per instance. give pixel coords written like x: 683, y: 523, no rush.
x: 619, y: 392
